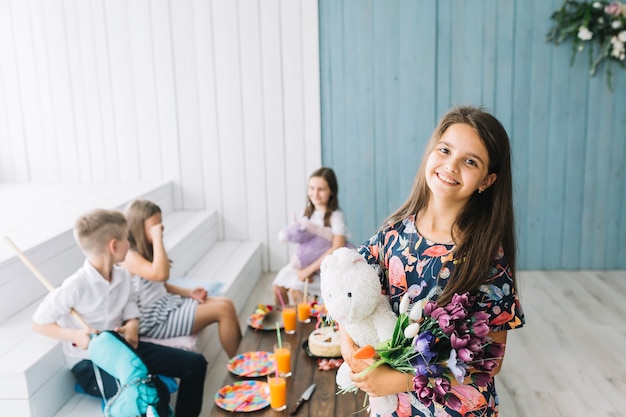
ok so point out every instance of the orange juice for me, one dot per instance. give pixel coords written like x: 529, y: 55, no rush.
x: 289, y: 319
x: 304, y: 312
x: 283, y: 359
x: 278, y: 392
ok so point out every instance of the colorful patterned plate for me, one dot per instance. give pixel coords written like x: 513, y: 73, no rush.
x: 243, y: 396
x: 252, y: 364
x: 265, y: 320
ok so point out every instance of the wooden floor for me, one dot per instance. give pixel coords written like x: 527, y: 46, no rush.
x: 569, y: 359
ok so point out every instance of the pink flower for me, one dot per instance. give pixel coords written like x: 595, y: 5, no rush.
x: 462, y: 299
x: 466, y: 355
x: 614, y: 9
x: 456, y: 310
x: 446, y: 323
x: 480, y: 329
x: 442, y: 386
x: 459, y: 342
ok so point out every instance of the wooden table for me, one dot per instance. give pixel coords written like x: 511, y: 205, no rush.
x: 323, y: 403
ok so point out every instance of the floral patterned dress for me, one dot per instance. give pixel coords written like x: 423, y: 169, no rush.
x: 408, y: 263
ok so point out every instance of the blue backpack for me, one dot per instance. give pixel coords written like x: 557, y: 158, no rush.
x: 141, y: 392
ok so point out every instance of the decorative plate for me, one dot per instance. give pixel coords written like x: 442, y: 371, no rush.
x: 305, y: 346
x: 244, y: 396
x: 265, y: 318
x: 252, y: 364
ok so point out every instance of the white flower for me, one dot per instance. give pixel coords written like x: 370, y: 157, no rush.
x: 616, y: 24
x: 416, y: 311
x: 411, y: 330
x: 618, y: 50
x: 622, y: 36
x: 404, y: 303
x: 584, y: 34
x: 597, y: 5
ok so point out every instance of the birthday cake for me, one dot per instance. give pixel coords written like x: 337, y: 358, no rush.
x: 325, y: 342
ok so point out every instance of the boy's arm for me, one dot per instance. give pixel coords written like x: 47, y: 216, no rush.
x: 78, y: 337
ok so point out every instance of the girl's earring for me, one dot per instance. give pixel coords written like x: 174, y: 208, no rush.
x: 480, y: 191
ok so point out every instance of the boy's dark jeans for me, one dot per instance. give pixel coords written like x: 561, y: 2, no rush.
x: 190, y: 367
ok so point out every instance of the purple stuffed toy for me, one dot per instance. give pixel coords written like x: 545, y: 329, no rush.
x: 313, y: 241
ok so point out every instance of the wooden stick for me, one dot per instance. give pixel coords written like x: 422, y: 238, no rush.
x: 42, y: 279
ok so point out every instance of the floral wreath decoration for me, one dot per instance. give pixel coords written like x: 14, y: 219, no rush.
x: 600, y: 22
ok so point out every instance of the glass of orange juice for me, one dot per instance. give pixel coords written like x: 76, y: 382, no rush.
x: 304, y: 312
x: 278, y: 392
x: 289, y: 319
x: 283, y: 359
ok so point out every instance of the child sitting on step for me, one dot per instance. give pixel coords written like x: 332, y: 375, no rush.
x: 167, y: 310
x: 101, y: 293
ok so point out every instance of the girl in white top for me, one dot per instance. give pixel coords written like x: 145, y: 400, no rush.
x: 322, y: 209
x: 167, y: 310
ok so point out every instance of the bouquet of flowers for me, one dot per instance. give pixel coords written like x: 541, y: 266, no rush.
x: 438, y: 344
x: 589, y: 22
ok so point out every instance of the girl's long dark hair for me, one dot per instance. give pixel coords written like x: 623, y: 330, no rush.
x: 333, y: 201
x: 486, y: 223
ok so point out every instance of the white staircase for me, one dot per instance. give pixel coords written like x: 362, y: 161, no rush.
x: 33, y: 378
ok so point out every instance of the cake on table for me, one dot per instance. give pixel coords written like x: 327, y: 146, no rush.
x: 325, y: 342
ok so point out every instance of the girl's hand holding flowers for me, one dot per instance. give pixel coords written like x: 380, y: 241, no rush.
x: 441, y: 345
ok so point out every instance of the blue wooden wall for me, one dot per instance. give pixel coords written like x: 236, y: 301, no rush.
x: 391, y: 68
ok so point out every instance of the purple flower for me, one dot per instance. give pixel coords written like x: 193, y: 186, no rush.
x: 466, y: 355
x: 456, y: 366
x: 495, y: 350
x: 423, y: 344
x: 481, y: 378
x: 442, y: 386
x: 480, y: 316
x: 429, y: 308
x: 425, y: 395
x: 487, y: 365
x: 445, y: 323
x: 475, y: 344
x: 480, y: 329
x: 436, y: 312
x: 459, y: 342
x: 419, y: 381
x: 456, y: 311
x: 463, y: 299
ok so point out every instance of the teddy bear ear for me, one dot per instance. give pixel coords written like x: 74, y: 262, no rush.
x: 329, y: 260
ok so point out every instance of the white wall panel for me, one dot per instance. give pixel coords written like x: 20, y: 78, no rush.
x: 253, y: 123
x: 226, y: 43
x: 220, y: 96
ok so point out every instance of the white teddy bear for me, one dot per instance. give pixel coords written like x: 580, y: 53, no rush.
x: 351, y: 291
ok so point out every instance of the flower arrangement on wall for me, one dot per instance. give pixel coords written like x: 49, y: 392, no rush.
x: 590, y: 25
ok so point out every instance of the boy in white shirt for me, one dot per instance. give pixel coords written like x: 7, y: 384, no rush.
x: 101, y: 293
